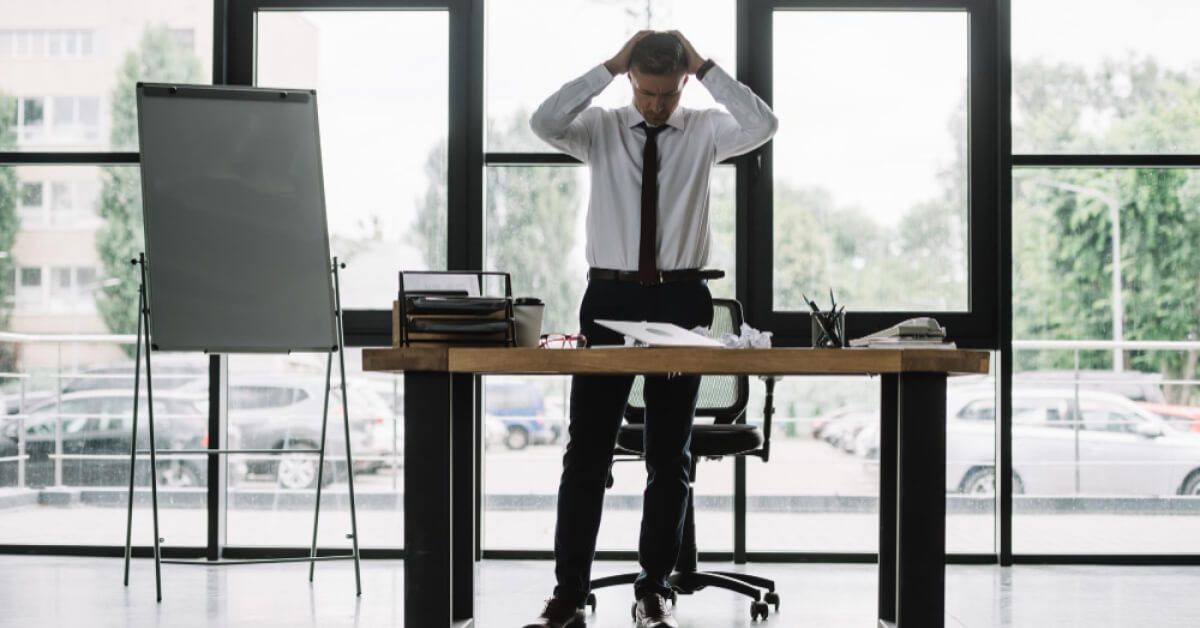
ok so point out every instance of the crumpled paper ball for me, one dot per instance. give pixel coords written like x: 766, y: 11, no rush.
x: 750, y: 338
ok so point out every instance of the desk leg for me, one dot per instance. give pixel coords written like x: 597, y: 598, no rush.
x: 427, y: 482
x: 921, y: 501
x: 888, y: 415
x: 463, y: 442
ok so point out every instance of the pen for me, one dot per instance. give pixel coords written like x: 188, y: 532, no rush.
x: 821, y: 321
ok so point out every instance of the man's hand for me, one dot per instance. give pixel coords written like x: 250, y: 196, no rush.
x: 619, y: 64
x: 694, y: 60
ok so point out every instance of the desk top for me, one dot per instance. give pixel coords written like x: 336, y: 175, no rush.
x: 661, y: 360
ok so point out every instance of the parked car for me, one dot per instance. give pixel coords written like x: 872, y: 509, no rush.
x: 521, y: 408
x: 1113, y: 445
x: 284, y: 412
x: 1144, y: 388
x: 841, y: 428
x: 99, y: 423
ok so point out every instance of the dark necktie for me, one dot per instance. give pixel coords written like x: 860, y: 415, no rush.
x: 647, y: 248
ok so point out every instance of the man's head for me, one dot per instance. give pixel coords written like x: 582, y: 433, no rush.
x: 657, y: 71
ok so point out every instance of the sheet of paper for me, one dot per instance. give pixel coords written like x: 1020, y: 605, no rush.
x: 659, y: 334
x: 417, y: 282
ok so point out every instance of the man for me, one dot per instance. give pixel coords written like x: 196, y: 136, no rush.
x: 647, y: 241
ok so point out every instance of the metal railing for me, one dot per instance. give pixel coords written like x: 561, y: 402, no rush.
x: 49, y: 384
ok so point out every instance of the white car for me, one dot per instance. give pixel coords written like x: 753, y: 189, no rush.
x: 1104, y: 445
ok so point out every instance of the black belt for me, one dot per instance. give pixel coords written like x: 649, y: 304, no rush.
x: 662, y: 276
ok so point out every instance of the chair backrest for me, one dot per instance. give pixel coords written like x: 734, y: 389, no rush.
x: 723, y: 397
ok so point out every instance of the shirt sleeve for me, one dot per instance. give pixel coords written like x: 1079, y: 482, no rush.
x: 749, y: 123
x: 558, y: 120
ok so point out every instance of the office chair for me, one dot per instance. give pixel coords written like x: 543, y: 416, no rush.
x: 723, y: 397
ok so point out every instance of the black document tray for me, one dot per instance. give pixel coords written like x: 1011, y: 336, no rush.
x: 456, y: 305
x: 446, y: 326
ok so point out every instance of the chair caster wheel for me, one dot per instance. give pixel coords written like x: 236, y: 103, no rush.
x: 591, y: 601
x: 759, y: 610
x: 773, y: 599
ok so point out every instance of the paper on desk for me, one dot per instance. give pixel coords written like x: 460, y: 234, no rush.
x: 750, y: 338
x: 659, y: 334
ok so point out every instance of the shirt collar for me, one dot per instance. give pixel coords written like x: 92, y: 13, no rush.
x: 633, y: 117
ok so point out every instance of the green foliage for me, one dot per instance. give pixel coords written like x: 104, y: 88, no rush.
x: 157, y: 58
x: 8, y: 224
x: 1063, y: 219
x: 530, y: 220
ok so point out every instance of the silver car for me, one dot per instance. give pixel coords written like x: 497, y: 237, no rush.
x: 1104, y: 444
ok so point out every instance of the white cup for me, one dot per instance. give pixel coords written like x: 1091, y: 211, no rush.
x: 527, y: 318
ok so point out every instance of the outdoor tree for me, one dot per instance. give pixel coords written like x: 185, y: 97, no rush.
x: 157, y: 58
x: 530, y: 221
x: 8, y: 226
x: 1067, y: 221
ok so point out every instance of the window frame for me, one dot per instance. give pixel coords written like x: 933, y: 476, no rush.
x: 467, y: 160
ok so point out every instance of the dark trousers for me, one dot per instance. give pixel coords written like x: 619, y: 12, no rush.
x: 597, y: 408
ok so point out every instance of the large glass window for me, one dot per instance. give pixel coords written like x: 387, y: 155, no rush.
x: 1104, y: 282
x: 871, y: 162
x: 534, y: 229
x: 1106, y: 397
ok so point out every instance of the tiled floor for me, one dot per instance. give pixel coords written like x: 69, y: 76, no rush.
x: 76, y: 592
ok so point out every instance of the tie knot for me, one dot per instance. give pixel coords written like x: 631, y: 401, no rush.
x: 652, y: 131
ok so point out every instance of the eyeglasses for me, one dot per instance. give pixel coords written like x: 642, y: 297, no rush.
x: 562, y: 341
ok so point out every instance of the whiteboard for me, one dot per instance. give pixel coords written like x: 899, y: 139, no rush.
x: 237, y: 244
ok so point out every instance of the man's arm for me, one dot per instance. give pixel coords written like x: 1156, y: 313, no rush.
x: 749, y: 123
x: 557, y: 120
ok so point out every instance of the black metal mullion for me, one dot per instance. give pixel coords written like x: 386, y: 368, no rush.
x: 756, y: 222
x: 461, y: 236
x: 1106, y: 161
x: 34, y: 158
x: 1004, y: 453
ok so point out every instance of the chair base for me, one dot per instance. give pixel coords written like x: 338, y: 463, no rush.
x: 689, y: 582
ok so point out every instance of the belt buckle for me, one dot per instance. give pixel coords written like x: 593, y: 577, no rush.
x: 659, y: 279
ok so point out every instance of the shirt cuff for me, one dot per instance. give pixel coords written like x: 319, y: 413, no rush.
x: 716, y: 80
x: 598, y: 77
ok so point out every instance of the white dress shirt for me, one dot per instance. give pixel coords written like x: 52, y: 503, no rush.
x: 609, y: 142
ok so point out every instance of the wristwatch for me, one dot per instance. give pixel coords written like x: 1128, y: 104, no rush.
x: 704, y: 68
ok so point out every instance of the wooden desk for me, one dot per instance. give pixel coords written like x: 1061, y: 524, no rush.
x: 440, y: 456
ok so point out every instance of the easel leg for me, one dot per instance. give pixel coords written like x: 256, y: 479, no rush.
x: 137, y: 378
x: 341, y: 349
x: 312, y: 565
x: 153, y: 446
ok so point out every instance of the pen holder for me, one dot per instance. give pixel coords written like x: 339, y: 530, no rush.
x: 835, y: 323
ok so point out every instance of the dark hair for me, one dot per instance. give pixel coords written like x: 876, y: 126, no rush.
x: 659, y: 53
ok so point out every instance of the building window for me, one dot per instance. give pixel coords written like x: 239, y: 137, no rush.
x: 59, y: 119
x: 32, y: 117
x: 46, y: 44
x: 31, y: 277
x: 31, y: 195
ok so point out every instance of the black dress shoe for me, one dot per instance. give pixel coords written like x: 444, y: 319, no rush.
x: 559, y: 613
x: 652, y: 611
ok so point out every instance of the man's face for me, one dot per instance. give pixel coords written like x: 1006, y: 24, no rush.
x: 656, y: 95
